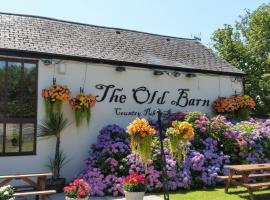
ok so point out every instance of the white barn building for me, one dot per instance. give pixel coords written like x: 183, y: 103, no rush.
x: 132, y: 74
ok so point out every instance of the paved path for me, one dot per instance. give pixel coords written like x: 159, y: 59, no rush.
x: 147, y: 197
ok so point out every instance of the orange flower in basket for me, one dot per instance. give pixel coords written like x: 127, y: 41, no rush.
x: 184, y: 129
x: 141, y: 134
x: 54, y: 97
x: 56, y: 92
x: 141, y: 127
x: 82, y: 105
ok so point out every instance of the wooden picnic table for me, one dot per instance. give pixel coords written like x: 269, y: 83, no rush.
x: 37, y: 181
x: 240, y: 174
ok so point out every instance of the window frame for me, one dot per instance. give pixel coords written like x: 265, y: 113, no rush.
x: 20, y: 121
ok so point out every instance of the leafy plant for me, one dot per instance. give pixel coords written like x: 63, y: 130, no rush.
x: 56, y: 165
x: 53, y: 126
x: 6, y: 193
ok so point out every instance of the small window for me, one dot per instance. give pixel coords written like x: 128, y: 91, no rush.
x: 18, y: 107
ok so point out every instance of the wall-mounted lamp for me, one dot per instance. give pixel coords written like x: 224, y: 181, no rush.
x: 190, y: 75
x: 61, y: 68
x: 120, y: 69
x: 176, y: 74
x: 158, y: 72
x: 47, y: 62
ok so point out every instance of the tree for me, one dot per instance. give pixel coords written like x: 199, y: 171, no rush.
x: 246, y: 45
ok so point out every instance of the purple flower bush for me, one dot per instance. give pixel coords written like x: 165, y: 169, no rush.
x: 217, y: 142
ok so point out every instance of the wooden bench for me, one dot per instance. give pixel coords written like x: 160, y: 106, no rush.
x: 253, y: 186
x: 36, y: 181
x: 43, y: 193
x: 236, y: 177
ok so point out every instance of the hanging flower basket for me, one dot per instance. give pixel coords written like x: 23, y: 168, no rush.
x: 178, y: 136
x: 54, y: 97
x: 82, y: 104
x: 141, y: 134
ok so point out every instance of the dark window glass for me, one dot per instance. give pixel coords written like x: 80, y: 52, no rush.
x: 28, y: 134
x: 29, y: 91
x: 1, y: 137
x: 18, y: 96
x: 14, y: 90
x: 2, y: 88
x: 12, y: 137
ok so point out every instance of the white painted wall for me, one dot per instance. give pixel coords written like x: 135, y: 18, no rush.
x: 76, y: 141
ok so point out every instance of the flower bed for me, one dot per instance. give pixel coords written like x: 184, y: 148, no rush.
x: 217, y: 142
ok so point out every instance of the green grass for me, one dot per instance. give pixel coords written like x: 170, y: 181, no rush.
x: 238, y: 193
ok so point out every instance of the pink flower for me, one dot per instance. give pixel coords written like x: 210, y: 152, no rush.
x: 82, y: 193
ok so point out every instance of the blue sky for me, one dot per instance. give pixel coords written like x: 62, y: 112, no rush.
x: 180, y: 18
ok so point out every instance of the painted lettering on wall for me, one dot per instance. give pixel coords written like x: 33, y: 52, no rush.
x: 144, y: 96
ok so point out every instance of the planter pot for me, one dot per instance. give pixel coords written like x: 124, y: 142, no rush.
x: 56, y: 184
x: 14, y: 142
x: 134, y: 195
x: 68, y: 198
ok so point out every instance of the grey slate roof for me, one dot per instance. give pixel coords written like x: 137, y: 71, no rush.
x: 51, y: 36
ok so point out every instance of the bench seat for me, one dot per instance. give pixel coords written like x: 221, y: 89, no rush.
x: 240, y: 176
x: 43, y: 192
x: 15, y: 176
x: 256, y: 185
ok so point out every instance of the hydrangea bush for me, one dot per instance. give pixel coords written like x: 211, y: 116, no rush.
x: 217, y: 142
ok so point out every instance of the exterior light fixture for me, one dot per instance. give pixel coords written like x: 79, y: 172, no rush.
x: 190, y: 75
x: 176, y: 74
x: 120, y: 69
x: 47, y: 62
x: 61, y: 68
x: 158, y: 72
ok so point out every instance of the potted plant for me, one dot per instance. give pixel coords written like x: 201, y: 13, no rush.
x: 53, y: 126
x: 134, y: 187
x: 15, y: 141
x: 77, y: 190
x: 238, y: 107
x: 7, y: 193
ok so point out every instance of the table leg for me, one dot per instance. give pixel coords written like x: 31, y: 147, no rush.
x: 251, y: 196
x: 231, y: 172
x: 245, y: 180
x: 42, y: 186
x: 39, y: 188
x: 245, y: 177
x: 5, y: 181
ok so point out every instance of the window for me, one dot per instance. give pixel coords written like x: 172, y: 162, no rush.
x: 18, y: 107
